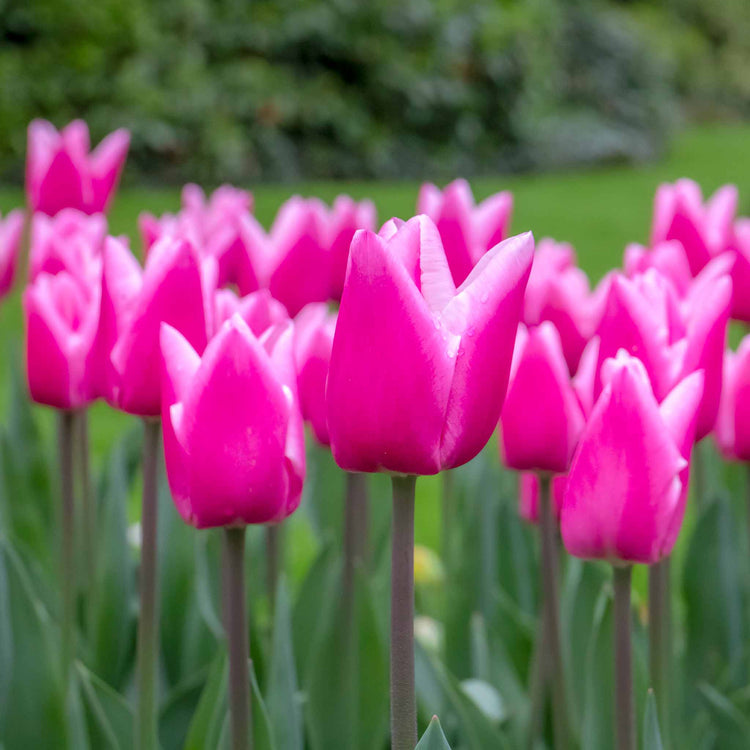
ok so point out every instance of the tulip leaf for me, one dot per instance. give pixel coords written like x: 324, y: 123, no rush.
x: 34, y: 714
x: 112, y: 628
x: 6, y: 640
x: 263, y: 736
x: 347, y: 687
x: 109, y: 717
x: 433, y: 738
x: 77, y: 732
x: 206, y: 726
x: 179, y: 708
x: 732, y: 726
x: 283, y: 700
x: 208, y: 579
x: 651, y: 733
x: 715, y: 634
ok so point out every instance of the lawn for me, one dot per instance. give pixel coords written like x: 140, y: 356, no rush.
x: 598, y: 210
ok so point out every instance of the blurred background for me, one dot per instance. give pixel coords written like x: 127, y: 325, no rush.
x: 283, y: 90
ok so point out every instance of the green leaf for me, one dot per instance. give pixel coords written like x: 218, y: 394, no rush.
x: 208, y: 579
x: 283, y: 699
x: 206, y: 726
x: 34, y: 714
x: 651, y: 733
x: 732, y: 725
x: 263, y: 737
x: 178, y: 710
x: 109, y: 717
x: 113, y: 623
x: 347, y: 688
x: 716, y: 634
x: 433, y: 738
x: 6, y: 639
x: 77, y: 732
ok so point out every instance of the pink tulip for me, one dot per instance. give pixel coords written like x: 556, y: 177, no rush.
x: 668, y: 258
x: 733, y: 423
x: 62, y: 317
x: 419, y: 368
x: 174, y: 288
x: 559, y: 292
x: 627, y: 486
x: 467, y: 230
x: 70, y: 241
x: 298, y: 265
x: 528, y: 495
x: 259, y: 310
x: 233, y: 434
x: 671, y: 337
x: 61, y: 173
x: 313, y: 339
x: 542, y: 418
x: 344, y: 218
x: 739, y: 252
x: 11, y: 232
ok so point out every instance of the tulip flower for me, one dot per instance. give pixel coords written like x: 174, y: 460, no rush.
x: 703, y: 229
x: 542, y: 418
x: 343, y: 219
x: 559, y: 291
x: 259, y: 310
x: 11, y: 231
x: 62, y: 318
x: 70, y: 241
x: 528, y: 495
x: 235, y: 454
x: 314, y: 329
x: 671, y: 337
x: 467, y: 230
x: 173, y: 288
x: 733, y: 422
x: 416, y: 383
x: 668, y: 258
x: 739, y: 252
x: 61, y: 173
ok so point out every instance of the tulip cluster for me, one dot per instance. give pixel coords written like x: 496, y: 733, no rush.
x: 402, y: 349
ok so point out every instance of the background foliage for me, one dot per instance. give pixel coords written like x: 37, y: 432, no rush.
x: 278, y: 89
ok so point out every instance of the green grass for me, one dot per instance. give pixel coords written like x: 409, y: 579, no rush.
x: 599, y: 211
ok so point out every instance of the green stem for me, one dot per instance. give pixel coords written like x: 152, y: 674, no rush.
x: 538, y: 678
x: 67, y: 558
x: 237, y: 637
x: 403, y: 693
x: 273, y: 560
x: 356, y: 531
x: 551, y: 589
x: 88, y: 506
x: 660, y: 639
x: 624, y: 709
x: 148, y: 630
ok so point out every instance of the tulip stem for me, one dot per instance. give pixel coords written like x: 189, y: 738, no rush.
x: 88, y: 506
x: 403, y: 694
x: 148, y: 633
x: 660, y: 639
x: 551, y: 610
x: 67, y: 559
x: 273, y: 561
x: 356, y: 523
x: 237, y: 637
x: 624, y: 709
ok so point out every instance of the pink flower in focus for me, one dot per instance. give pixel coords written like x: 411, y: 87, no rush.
x: 62, y: 173
x: 233, y: 433
x: 466, y: 229
x: 627, y: 487
x: 259, y: 310
x: 419, y: 368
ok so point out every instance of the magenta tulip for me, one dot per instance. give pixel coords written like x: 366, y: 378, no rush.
x: 11, y: 232
x: 234, y: 440
x: 668, y: 258
x: 313, y: 339
x: 259, y: 309
x: 62, y: 318
x: 70, y: 241
x: 542, y: 418
x: 627, y: 486
x: 559, y: 291
x: 704, y: 229
x: 61, y: 173
x: 739, y: 252
x: 467, y: 230
x: 343, y: 219
x: 671, y: 337
x: 419, y: 368
x: 733, y: 423
x: 528, y: 495
x: 174, y: 287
